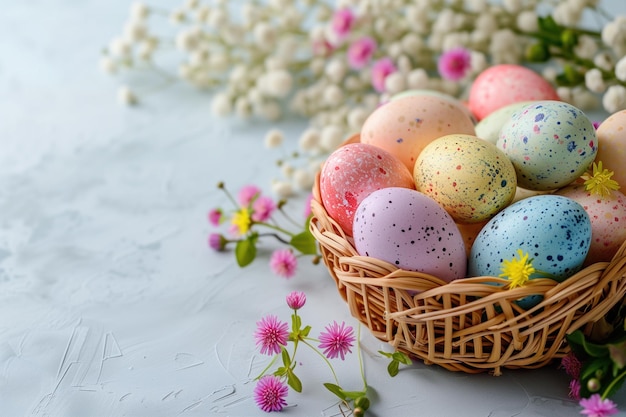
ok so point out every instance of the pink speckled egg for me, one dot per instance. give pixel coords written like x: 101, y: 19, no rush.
x: 404, y: 126
x: 504, y: 84
x: 612, y: 145
x: 410, y: 230
x: 608, y: 220
x: 351, y: 173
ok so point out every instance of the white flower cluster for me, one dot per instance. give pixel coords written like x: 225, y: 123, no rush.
x: 265, y: 58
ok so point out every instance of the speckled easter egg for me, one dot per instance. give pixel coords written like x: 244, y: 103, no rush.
x: 351, y: 173
x: 421, y: 92
x: 550, y: 143
x: 554, y: 230
x: 612, y: 145
x: 608, y: 220
x: 403, y: 127
x: 469, y: 177
x: 504, y: 84
x: 410, y: 230
x: 489, y: 127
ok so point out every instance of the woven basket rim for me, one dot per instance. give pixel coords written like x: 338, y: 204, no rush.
x: 425, y: 316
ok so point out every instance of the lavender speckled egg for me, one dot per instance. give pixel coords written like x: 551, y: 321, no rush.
x: 550, y: 144
x: 410, y: 230
x: 554, y: 230
x: 351, y: 173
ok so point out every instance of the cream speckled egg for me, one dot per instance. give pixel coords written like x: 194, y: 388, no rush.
x: 469, y: 177
x: 551, y: 144
x: 351, y: 173
x: 612, y: 145
x: 403, y: 127
x: 608, y: 220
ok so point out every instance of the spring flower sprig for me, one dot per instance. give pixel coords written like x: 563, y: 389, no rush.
x: 517, y: 271
x: 273, y: 337
x: 251, y: 212
x: 597, y: 368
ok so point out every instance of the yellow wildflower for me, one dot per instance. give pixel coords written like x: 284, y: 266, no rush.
x: 517, y: 271
x: 600, y: 182
x: 242, y: 220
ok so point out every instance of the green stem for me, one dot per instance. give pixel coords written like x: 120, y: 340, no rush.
x: 613, y: 384
x: 276, y: 236
x: 274, y: 227
x: 332, y: 370
x: 358, y: 349
x: 267, y: 367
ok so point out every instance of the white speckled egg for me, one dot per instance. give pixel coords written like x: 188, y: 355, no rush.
x: 403, y: 127
x: 608, y: 220
x: 550, y: 143
x: 351, y: 173
x: 554, y: 230
x: 469, y: 177
x: 410, y: 230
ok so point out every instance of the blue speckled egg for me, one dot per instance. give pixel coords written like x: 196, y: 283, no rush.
x: 554, y: 230
x: 410, y: 230
x: 550, y: 143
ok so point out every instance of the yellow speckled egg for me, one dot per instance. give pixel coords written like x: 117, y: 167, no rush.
x: 469, y: 177
x: 403, y: 127
x: 612, y: 145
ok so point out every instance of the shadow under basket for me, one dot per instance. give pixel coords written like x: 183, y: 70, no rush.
x: 468, y: 325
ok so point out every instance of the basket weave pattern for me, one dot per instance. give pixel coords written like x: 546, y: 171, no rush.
x: 468, y: 325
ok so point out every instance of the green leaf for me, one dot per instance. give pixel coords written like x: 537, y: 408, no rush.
x: 296, y: 322
x: 593, y: 367
x: 280, y: 371
x: 578, y: 342
x: 353, y: 395
x: 293, y: 381
x: 305, y: 332
x: 286, y: 358
x: 393, y: 368
x: 335, y: 389
x: 402, y: 358
x: 245, y: 251
x: 617, y: 352
x: 386, y: 354
x: 305, y: 243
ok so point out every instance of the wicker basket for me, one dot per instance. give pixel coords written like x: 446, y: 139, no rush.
x: 467, y: 325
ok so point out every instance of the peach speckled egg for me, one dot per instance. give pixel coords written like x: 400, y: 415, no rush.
x: 469, y: 231
x: 469, y: 177
x: 504, y: 84
x: 421, y: 92
x: 410, y: 230
x: 608, y: 220
x: 351, y: 173
x: 612, y: 145
x: 403, y: 127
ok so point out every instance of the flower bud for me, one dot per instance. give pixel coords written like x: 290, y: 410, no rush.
x: 358, y: 412
x: 538, y: 52
x: 593, y: 385
x: 362, y: 402
x: 569, y: 39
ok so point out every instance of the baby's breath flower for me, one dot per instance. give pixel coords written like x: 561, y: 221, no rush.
x: 126, y: 96
x: 600, y: 182
x: 517, y: 271
x: 620, y: 69
x: 614, y: 99
x: 274, y: 138
x: 594, y: 81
